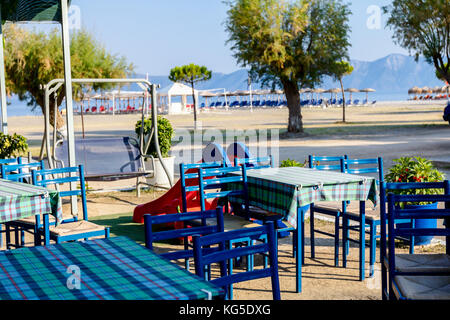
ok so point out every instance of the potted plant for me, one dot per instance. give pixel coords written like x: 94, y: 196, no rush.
x: 165, y: 134
x: 12, y: 145
x: 417, y: 169
x: 291, y: 163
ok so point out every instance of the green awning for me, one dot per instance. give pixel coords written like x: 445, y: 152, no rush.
x: 31, y: 10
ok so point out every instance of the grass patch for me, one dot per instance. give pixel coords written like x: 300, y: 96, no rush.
x: 122, y: 225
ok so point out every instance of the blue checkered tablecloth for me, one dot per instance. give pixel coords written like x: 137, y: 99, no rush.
x: 101, y: 269
x: 284, y: 190
x: 21, y: 200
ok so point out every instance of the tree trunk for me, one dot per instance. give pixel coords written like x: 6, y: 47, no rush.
x: 343, y: 100
x: 60, y: 121
x: 295, y: 123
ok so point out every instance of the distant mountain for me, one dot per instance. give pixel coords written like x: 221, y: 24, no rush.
x: 395, y: 73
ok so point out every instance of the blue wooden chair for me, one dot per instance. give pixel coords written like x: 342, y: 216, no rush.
x: 372, y: 218
x: 214, y: 184
x: 189, y: 177
x: 6, y: 231
x: 418, y: 277
x: 332, y: 209
x: 219, y: 178
x: 191, y: 227
x: 20, y: 172
x: 403, y: 218
x: 70, y: 229
x: 253, y: 163
x: 227, y: 253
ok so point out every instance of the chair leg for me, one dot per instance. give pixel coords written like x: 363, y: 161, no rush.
x: 311, y: 226
x: 336, y: 241
x: 8, y: 237
x: 362, y: 240
x: 373, y: 249
x: 22, y: 237
x: 345, y: 241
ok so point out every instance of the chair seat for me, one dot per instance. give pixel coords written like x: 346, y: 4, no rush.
x: 330, y: 205
x: 423, y: 287
x: 422, y: 262
x: 72, y: 228
x: 232, y: 222
x: 370, y: 215
x: 263, y: 215
x: 31, y: 221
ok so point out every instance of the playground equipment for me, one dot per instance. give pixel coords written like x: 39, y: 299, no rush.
x: 103, y: 159
x: 172, y: 201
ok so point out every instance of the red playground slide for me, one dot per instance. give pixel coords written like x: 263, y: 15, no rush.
x: 171, y: 201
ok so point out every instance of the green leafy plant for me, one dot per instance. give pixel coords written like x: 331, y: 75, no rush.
x: 415, y: 169
x: 12, y: 146
x: 291, y: 163
x: 165, y: 134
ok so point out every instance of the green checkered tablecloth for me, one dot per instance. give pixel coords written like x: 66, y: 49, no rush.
x: 283, y: 190
x: 102, y: 269
x: 21, y: 200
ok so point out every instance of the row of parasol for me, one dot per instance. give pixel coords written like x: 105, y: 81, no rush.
x: 428, y: 90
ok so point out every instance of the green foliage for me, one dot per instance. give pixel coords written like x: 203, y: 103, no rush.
x: 291, y: 163
x: 288, y: 44
x: 12, y: 146
x: 32, y: 59
x: 415, y: 169
x: 342, y: 68
x: 165, y: 134
x: 423, y: 28
x: 190, y: 74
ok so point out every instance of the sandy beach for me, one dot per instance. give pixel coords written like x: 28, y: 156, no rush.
x: 389, y: 130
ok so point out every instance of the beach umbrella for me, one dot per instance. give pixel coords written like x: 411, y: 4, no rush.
x: 415, y: 90
x: 351, y: 90
x: 367, y: 90
x: 437, y: 89
x: 333, y: 90
x: 318, y: 91
x: 427, y: 90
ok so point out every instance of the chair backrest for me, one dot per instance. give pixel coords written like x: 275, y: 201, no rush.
x: 20, y: 172
x: 395, y: 187
x: 10, y: 161
x: 189, y: 177
x: 58, y: 177
x: 396, y: 212
x: 364, y: 166
x: 227, y: 252
x: 254, y: 163
x: 219, y: 178
x: 331, y: 163
x: 191, y: 227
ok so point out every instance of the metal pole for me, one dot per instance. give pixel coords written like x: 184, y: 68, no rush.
x: 155, y: 136
x: 69, y: 102
x: 3, y: 83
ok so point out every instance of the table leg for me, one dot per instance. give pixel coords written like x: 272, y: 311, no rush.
x: 299, y: 257
x: 362, y: 239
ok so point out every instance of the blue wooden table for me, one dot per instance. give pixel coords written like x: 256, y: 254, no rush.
x: 290, y: 191
x: 101, y: 269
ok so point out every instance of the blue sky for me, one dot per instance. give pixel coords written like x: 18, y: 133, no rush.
x: 156, y: 35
